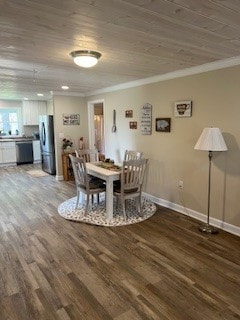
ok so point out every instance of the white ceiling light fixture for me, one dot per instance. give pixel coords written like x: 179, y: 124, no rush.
x: 40, y: 94
x: 65, y: 87
x: 85, y: 58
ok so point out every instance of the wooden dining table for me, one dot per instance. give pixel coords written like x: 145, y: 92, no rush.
x: 96, y: 170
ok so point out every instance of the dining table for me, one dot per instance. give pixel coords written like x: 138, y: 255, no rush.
x: 108, y: 174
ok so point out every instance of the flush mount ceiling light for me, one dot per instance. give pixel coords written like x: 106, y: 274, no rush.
x: 85, y: 58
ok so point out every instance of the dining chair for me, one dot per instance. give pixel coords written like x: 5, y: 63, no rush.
x: 132, y: 155
x: 129, y: 155
x: 89, y: 155
x: 132, y: 176
x: 83, y: 183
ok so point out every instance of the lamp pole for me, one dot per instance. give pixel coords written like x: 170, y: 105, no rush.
x: 209, y: 184
x: 206, y: 227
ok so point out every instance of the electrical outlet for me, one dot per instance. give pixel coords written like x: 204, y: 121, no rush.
x: 180, y: 184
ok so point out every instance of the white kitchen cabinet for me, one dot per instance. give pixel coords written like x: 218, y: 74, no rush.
x: 7, y: 152
x: 32, y: 110
x: 36, y: 151
x: 42, y: 108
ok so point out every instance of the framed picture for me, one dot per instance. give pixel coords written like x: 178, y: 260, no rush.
x: 71, y: 119
x: 183, y: 109
x: 133, y: 124
x: 146, y: 119
x: 163, y: 124
x: 128, y: 113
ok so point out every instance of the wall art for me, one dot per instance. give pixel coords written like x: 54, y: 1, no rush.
x: 183, y: 109
x: 71, y: 119
x: 133, y: 124
x: 146, y: 119
x: 128, y: 113
x: 163, y: 124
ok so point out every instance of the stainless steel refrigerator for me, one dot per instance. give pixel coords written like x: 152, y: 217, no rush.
x: 46, y: 134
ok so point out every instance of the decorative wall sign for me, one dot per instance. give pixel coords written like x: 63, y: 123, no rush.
x: 128, y: 113
x: 133, y: 124
x: 71, y: 119
x: 163, y: 124
x: 183, y: 109
x: 146, y: 119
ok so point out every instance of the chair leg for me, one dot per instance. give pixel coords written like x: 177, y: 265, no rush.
x: 140, y: 206
x: 87, y: 204
x: 77, y: 201
x: 123, y: 208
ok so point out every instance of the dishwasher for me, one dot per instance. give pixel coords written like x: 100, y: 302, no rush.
x: 24, y: 152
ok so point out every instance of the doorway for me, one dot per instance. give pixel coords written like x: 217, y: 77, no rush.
x: 96, y: 125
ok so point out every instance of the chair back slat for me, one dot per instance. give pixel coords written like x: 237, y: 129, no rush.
x: 89, y: 155
x: 132, y: 155
x: 133, y: 174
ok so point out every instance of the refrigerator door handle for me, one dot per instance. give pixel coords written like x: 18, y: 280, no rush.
x: 43, y: 134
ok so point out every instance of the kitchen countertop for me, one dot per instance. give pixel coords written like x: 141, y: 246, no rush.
x: 16, y: 139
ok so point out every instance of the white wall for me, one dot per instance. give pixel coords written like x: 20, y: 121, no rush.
x: 215, y: 96
x: 68, y: 105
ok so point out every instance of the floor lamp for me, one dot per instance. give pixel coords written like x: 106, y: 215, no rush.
x: 210, y: 140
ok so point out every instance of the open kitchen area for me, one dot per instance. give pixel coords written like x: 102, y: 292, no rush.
x: 119, y: 160
x: 19, y: 132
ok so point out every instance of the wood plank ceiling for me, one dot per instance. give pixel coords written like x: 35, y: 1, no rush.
x: 137, y: 39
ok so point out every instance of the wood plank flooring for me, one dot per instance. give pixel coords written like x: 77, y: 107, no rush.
x: 162, y: 268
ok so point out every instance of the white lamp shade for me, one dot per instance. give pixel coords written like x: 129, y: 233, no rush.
x: 211, y: 139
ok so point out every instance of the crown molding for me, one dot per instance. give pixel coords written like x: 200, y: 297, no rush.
x: 67, y: 93
x: 171, y: 75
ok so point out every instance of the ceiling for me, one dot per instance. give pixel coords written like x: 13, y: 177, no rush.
x: 137, y: 39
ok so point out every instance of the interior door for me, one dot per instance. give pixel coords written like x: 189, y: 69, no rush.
x: 96, y: 125
x: 99, y: 128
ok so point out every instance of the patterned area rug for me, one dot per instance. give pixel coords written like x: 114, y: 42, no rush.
x: 37, y: 173
x: 96, y: 213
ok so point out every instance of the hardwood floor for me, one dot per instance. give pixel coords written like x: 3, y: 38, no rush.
x: 162, y: 268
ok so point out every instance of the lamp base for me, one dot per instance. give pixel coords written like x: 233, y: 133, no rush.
x: 206, y: 228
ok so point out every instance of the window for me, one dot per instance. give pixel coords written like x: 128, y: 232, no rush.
x: 9, y: 120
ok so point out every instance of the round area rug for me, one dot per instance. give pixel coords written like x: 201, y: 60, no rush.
x: 96, y: 213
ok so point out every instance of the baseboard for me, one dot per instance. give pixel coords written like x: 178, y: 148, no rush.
x: 194, y: 214
x: 59, y: 178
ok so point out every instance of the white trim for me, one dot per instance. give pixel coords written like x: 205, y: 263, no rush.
x: 59, y: 178
x: 91, y: 124
x: 194, y: 214
x: 171, y: 75
x: 91, y: 132
x: 68, y: 93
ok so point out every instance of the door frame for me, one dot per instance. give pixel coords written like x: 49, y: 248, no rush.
x: 91, y: 132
